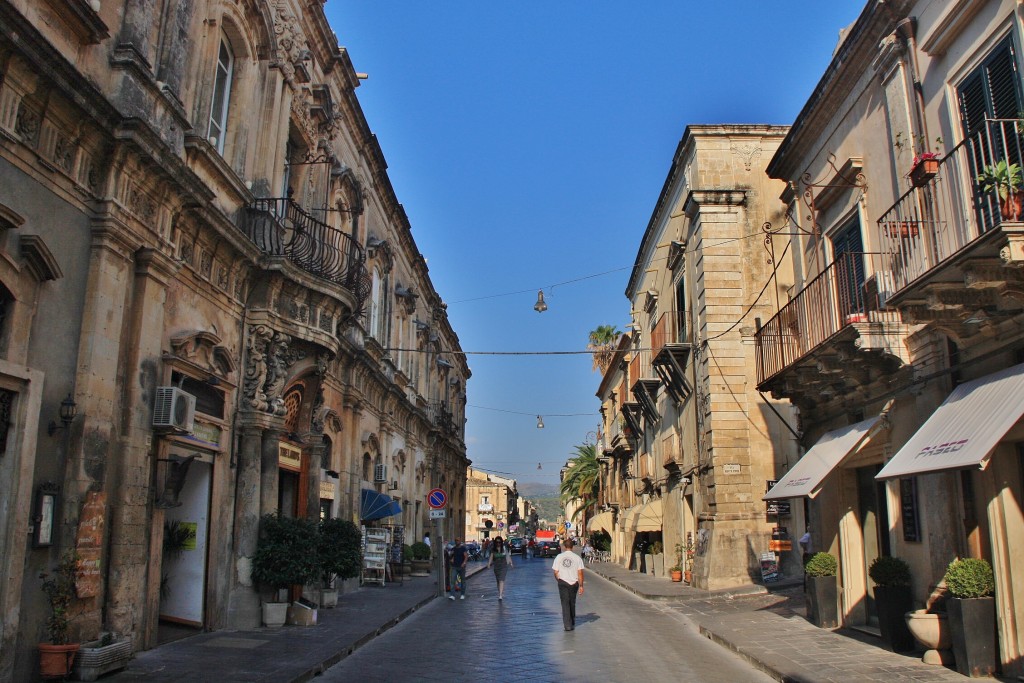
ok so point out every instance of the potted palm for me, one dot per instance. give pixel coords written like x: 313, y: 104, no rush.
x: 56, y: 656
x: 972, y: 615
x: 286, y: 555
x: 822, y: 591
x: 339, y: 555
x: 1005, y: 180
x: 893, y: 599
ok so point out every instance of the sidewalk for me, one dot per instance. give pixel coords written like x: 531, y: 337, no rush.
x: 768, y: 628
x: 290, y: 654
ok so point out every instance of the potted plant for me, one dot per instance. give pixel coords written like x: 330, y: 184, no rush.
x: 972, y: 615
x: 103, y: 655
x: 56, y: 656
x: 339, y: 555
x: 286, y: 555
x: 822, y: 592
x: 689, y: 550
x: 1004, y: 179
x: 893, y: 599
x: 658, y: 558
x: 420, y: 559
x: 925, y: 164
x: 676, y: 570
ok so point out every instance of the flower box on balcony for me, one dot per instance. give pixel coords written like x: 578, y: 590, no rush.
x: 924, y: 169
x: 904, y: 229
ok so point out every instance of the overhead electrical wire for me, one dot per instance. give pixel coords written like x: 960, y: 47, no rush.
x: 601, y: 274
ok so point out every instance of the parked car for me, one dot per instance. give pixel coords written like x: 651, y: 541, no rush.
x: 517, y: 546
x: 546, y: 549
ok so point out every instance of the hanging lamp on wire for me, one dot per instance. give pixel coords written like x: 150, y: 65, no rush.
x: 540, y: 306
x: 540, y: 422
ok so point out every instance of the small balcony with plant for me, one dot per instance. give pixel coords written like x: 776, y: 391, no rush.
x: 834, y: 336
x: 954, y: 243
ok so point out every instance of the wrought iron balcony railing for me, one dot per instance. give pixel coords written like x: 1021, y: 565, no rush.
x: 280, y: 227
x: 931, y: 223
x: 835, y: 299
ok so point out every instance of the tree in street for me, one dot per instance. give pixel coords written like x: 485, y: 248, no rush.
x: 602, y: 344
x: 582, y: 479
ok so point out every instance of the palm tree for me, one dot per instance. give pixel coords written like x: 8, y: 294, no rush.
x: 602, y: 344
x: 582, y: 479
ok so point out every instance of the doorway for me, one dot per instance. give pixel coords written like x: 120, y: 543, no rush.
x: 186, y: 527
x: 873, y: 514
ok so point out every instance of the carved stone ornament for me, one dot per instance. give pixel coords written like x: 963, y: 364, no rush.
x: 204, y: 350
x: 293, y: 49
x: 256, y: 367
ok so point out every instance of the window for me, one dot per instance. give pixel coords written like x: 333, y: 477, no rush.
x: 848, y: 254
x: 221, y: 96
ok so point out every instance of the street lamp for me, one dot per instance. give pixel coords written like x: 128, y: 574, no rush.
x: 68, y: 412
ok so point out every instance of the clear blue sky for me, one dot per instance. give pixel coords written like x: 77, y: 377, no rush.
x: 528, y: 143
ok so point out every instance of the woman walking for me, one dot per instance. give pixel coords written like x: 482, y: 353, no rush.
x: 501, y: 558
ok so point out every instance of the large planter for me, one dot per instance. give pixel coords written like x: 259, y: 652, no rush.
x: 931, y: 631
x: 421, y: 567
x: 274, y: 614
x: 676, y: 575
x: 688, y: 576
x: 892, y: 604
x: 329, y: 598
x: 55, y: 660
x: 93, y: 660
x: 822, y: 601
x: 972, y: 624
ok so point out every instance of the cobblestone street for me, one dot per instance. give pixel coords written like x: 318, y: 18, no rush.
x: 521, y: 639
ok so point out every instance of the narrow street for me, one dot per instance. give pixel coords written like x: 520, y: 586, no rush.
x: 521, y: 638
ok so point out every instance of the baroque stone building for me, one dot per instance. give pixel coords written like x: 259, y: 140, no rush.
x: 490, y: 498
x: 205, y: 261
x: 901, y: 343
x: 688, y: 445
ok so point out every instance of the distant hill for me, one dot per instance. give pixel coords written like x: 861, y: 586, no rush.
x: 536, y: 489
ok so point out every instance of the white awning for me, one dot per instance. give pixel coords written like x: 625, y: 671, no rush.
x: 963, y: 431
x: 600, y: 521
x: 648, y: 517
x: 810, y: 471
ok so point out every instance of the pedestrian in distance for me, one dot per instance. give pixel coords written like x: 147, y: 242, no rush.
x: 501, y: 558
x: 426, y: 538
x: 460, y: 556
x: 531, y: 545
x: 568, y: 569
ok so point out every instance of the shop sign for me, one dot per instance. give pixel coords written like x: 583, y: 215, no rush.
x: 289, y: 457
x: 204, y: 431
x: 731, y: 468
x: 88, y: 543
x: 327, y: 490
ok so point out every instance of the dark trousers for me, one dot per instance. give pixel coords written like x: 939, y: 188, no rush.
x: 567, y: 593
x: 458, y: 579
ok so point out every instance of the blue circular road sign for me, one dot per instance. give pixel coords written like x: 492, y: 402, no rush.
x: 437, y: 499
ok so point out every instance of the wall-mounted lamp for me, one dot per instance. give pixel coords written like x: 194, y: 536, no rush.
x: 68, y: 411
x: 540, y: 306
x: 540, y: 422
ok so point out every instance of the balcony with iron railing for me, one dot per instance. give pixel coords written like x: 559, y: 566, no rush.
x: 836, y: 323
x: 946, y: 241
x: 443, y: 419
x: 280, y: 227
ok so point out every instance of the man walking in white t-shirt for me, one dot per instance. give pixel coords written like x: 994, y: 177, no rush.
x: 568, y: 569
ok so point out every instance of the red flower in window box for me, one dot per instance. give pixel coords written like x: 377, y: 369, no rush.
x: 924, y: 168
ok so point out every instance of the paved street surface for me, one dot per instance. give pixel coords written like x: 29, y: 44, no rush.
x: 630, y: 627
x: 618, y: 637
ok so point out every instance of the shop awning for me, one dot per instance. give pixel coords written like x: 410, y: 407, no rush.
x: 626, y: 518
x: 373, y: 505
x: 964, y: 430
x: 810, y: 471
x: 600, y: 521
x: 648, y: 517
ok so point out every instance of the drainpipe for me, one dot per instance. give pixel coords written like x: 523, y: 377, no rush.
x: 906, y: 31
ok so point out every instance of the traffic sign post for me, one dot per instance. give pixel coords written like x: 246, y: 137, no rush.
x: 437, y: 499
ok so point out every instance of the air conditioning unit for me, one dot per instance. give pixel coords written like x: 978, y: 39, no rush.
x: 174, y: 409
x: 379, y: 474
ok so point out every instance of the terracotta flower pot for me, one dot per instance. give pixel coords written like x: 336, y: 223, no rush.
x: 688, y: 576
x: 923, y: 171
x: 677, y: 575
x: 1012, y: 208
x: 55, y: 660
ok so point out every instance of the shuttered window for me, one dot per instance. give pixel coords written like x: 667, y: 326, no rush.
x: 849, y: 256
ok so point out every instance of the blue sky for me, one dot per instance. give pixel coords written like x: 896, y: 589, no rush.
x: 528, y: 143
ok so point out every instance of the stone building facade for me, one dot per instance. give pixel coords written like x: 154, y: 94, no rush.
x: 688, y: 441
x: 203, y: 253
x: 901, y: 342
x: 490, y: 498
